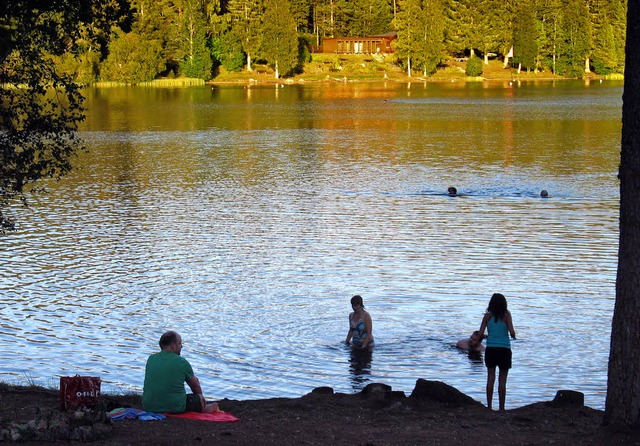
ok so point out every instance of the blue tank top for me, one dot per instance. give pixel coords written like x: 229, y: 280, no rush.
x: 498, y: 334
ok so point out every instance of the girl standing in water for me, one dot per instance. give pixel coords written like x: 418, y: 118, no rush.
x: 360, y: 325
x: 497, y: 321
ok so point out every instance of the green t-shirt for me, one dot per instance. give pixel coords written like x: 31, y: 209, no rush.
x: 164, y: 379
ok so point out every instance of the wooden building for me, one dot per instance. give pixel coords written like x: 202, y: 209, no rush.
x: 359, y: 45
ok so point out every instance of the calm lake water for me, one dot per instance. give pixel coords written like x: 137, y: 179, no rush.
x: 246, y: 218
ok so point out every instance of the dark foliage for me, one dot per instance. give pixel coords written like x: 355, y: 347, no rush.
x: 474, y: 66
x: 40, y: 108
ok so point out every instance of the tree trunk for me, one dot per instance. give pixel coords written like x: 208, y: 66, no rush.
x: 276, y: 69
x: 409, y: 66
x: 519, y: 67
x: 587, y: 69
x: 249, y: 63
x: 331, y: 19
x: 507, y: 57
x: 623, y: 385
x: 316, y: 28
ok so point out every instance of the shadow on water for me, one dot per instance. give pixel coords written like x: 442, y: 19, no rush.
x: 475, y: 357
x: 360, y: 367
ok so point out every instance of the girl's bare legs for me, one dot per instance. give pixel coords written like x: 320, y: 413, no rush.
x: 502, y: 387
x: 491, y: 378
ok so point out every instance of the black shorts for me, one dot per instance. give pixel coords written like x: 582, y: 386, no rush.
x: 194, y: 404
x: 497, y: 357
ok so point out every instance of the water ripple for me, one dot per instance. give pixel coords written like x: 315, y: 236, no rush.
x: 250, y: 242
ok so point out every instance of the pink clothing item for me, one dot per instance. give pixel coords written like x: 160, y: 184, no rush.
x: 213, y: 416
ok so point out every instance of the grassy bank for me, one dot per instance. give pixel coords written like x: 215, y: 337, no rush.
x: 362, y: 68
x: 344, y: 68
x: 173, y: 83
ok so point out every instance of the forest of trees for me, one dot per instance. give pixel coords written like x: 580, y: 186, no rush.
x: 191, y: 38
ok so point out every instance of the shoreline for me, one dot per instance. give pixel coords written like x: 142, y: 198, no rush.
x: 434, y: 390
x: 434, y: 413
x: 331, y: 69
x: 407, y: 80
x: 247, y: 82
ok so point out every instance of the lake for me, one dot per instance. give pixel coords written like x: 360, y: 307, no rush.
x: 246, y: 217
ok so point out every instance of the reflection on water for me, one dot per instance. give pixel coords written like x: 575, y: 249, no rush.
x: 475, y: 357
x: 360, y: 367
x: 246, y: 218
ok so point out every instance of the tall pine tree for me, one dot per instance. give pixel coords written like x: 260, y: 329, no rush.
x: 279, y: 37
x: 618, y: 17
x: 301, y: 12
x: 431, y: 48
x: 549, y: 24
x: 604, y: 56
x: 246, y: 24
x: 410, y: 27
x: 196, y: 58
x: 525, y: 49
x: 575, y: 39
x: 371, y: 17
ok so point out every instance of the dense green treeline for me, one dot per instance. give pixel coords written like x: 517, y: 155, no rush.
x: 191, y: 38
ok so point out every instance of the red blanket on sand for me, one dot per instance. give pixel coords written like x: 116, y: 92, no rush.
x: 214, y: 416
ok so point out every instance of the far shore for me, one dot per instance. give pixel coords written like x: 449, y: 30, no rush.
x: 331, y: 69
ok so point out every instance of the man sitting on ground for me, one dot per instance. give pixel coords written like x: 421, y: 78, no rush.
x: 165, y: 375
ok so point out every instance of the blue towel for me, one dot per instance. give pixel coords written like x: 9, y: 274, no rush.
x: 128, y: 413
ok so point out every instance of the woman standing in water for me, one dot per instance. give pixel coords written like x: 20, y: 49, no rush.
x: 497, y: 320
x: 360, y: 325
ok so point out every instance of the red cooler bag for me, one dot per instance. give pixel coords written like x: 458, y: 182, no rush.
x: 79, y: 391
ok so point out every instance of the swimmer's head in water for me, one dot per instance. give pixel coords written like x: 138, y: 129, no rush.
x: 475, y: 339
x: 452, y: 191
x: 544, y: 193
